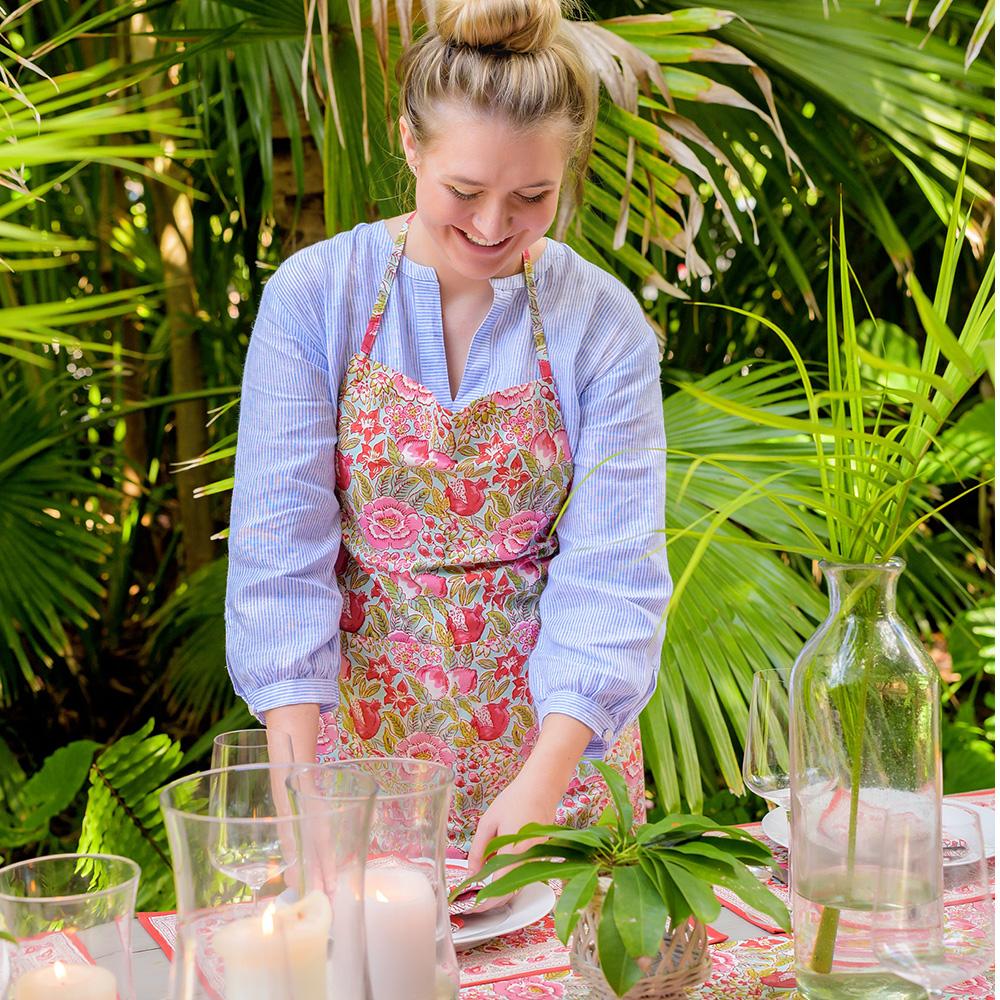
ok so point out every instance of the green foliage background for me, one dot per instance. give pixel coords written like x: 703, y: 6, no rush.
x: 160, y: 160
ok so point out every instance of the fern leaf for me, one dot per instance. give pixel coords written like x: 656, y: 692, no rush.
x: 123, y: 812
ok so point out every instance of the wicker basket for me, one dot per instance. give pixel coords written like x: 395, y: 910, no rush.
x: 682, y: 962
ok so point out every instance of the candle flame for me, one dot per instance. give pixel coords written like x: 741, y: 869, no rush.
x: 380, y: 897
x: 267, y: 920
x: 59, y: 970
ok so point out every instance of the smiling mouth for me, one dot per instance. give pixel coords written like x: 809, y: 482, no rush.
x: 477, y: 242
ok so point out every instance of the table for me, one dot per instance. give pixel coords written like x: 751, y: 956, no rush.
x: 753, y: 964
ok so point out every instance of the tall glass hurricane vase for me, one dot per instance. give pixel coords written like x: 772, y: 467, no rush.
x: 269, y: 899
x: 408, y: 930
x: 865, y: 742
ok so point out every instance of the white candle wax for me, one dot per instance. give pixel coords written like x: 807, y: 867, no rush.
x: 400, y: 931
x: 66, y: 982
x: 278, y: 955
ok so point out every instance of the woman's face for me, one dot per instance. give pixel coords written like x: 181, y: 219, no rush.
x: 485, y: 190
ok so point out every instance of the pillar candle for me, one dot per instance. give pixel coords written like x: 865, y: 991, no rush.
x: 66, y: 982
x: 280, y: 954
x: 401, y: 934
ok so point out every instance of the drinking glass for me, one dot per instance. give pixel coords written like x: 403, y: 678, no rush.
x: 407, y: 925
x: 765, y: 754
x: 268, y: 900
x: 912, y: 936
x: 251, y: 746
x: 71, y: 918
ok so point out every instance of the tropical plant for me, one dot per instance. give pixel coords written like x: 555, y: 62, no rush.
x: 872, y: 438
x: 643, y: 879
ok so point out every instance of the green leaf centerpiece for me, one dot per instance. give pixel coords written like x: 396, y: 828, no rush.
x: 637, y: 883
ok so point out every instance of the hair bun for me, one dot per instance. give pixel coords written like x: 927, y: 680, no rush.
x: 514, y: 25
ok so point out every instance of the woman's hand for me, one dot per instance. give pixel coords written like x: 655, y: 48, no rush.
x: 534, y: 795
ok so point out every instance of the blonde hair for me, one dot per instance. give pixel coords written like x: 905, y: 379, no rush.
x: 513, y: 58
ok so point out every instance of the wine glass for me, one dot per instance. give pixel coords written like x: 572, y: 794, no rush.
x: 912, y: 935
x: 251, y: 746
x: 249, y: 840
x: 765, y: 754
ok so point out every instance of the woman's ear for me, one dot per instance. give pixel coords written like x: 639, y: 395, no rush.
x: 409, y: 145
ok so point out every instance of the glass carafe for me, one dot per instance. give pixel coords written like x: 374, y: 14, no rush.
x: 865, y: 743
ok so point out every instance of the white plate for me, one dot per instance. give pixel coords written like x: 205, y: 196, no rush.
x: 775, y: 826
x: 525, y: 907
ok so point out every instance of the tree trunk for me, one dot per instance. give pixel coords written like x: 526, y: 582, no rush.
x: 173, y: 228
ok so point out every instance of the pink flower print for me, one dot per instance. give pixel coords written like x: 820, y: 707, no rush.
x: 434, y: 679
x: 406, y: 584
x: 366, y: 718
x: 978, y: 987
x: 528, y: 743
x: 511, y: 478
x: 413, y: 450
x: 343, y: 471
x: 408, y: 389
x: 525, y: 634
x: 442, y: 460
x: 513, y: 534
x: 399, y: 636
x: 328, y: 735
x: 490, y: 721
x: 529, y: 989
x: 465, y: 678
x: 509, y: 665
x: 510, y: 399
x: 345, y: 667
x: 432, y: 583
x: 352, y: 616
x: 543, y: 447
x: 561, y: 439
x: 380, y: 669
x: 493, y: 452
x: 425, y: 746
x: 526, y: 570
x: 466, y: 496
x: 389, y: 523
x: 782, y: 980
x: 466, y: 625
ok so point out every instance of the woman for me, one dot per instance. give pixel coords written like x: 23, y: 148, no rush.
x: 411, y: 572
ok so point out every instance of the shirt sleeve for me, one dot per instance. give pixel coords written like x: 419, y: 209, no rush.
x: 603, y: 608
x: 282, y: 601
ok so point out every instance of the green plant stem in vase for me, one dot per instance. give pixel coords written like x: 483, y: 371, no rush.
x: 864, y: 739
x: 635, y: 901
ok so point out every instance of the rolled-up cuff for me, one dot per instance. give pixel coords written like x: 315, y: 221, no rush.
x: 320, y: 691
x: 587, y: 711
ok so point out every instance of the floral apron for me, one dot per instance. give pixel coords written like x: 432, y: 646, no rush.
x: 446, y: 522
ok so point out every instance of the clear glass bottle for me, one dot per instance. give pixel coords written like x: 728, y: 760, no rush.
x: 865, y: 746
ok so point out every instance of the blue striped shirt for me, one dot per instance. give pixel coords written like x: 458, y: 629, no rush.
x: 603, y: 606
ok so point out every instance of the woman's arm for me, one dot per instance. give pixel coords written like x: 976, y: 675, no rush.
x: 282, y: 601
x: 603, y: 608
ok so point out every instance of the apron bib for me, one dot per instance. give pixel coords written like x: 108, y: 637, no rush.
x: 446, y: 522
